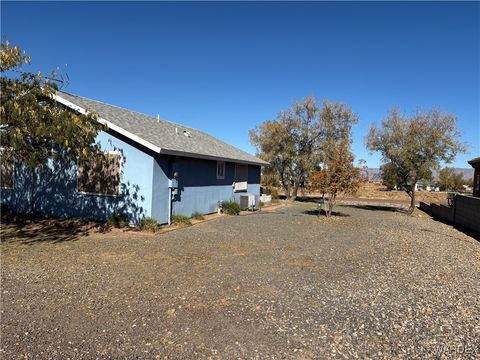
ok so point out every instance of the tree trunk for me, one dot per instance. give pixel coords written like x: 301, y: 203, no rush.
x: 331, y: 203
x: 412, y: 200
x: 295, y: 191
x: 286, y: 188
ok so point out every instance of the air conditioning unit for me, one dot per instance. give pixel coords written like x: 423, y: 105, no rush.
x: 249, y: 202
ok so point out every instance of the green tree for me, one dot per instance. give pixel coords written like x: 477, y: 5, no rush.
x: 412, y: 147
x: 450, y: 180
x: 34, y: 127
x: 390, y: 177
x: 294, y: 142
x: 270, y: 178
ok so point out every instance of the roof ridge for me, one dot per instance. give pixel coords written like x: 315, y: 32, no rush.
x: 150, y: 117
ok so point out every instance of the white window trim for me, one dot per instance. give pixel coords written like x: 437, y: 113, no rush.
x: 119, y: 189
x: 223, y: 164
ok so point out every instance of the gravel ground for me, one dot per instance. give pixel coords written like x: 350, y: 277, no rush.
x: 368, y: 283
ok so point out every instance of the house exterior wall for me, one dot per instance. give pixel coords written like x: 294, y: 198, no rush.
x: 476, y: 181
x: 199, y: 189
x: 160, y: 193
x: 55, y: 189
x: 144, y: 189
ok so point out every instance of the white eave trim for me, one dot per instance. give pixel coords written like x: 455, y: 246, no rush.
x: 211, y: 157
x: 109, y: 124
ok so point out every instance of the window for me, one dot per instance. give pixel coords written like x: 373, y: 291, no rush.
x: 6, y: 175
x: 220, y: 169
x: 241, y: 172
x: 241, y: 177
x: 100, y: 175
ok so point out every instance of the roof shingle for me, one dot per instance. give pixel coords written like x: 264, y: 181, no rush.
x: 166, y: 135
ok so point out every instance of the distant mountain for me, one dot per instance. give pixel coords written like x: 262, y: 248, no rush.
x: 374, y: 174
x: 467, y: 173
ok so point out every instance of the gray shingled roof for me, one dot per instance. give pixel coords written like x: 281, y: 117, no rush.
x: 166, y: 135
x: 474, y: 161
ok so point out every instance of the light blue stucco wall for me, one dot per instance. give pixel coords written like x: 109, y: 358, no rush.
x: 160, y: 192
x: 144, y: 190
x: 199, y: 189
x: 56, y: 187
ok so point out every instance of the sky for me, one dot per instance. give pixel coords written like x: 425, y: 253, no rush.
x: 225, y: 67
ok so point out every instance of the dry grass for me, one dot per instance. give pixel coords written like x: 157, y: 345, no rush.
x: 378, y: 191
x: 374, y: 192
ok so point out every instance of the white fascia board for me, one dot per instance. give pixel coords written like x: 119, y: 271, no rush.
x: 109, y: 124
x: 211, y: 157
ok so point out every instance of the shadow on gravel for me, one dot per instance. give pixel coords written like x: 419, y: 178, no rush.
x: 462, y: 229
x: 322, y: 213
x: 303, y: 199
x: 379, y: 208
x: 24, y: 230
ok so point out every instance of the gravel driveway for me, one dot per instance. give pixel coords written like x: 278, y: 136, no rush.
x: 368, y: 284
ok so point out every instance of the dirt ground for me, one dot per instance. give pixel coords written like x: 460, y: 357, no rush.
x: 370, y: 282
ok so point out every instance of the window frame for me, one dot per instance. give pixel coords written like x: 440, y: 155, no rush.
x: 13, y: 179
x: 222, y: 164
x: 235, y: 181
x: 238, y: 165
x: 119, y: 186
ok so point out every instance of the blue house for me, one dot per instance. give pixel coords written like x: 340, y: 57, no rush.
x: 151, y: 168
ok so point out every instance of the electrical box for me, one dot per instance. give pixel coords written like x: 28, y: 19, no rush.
x: 173, y: 183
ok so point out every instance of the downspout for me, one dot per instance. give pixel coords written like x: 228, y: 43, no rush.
x: 169, y: 184
x: 169, y: 205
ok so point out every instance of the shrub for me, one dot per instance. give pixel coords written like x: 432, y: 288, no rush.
x: 181, y: 220
x: 197, y: 215
x: 118, y: 221
x: 149, y: 224
x: 275, y: 196
x: 230, y: 207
